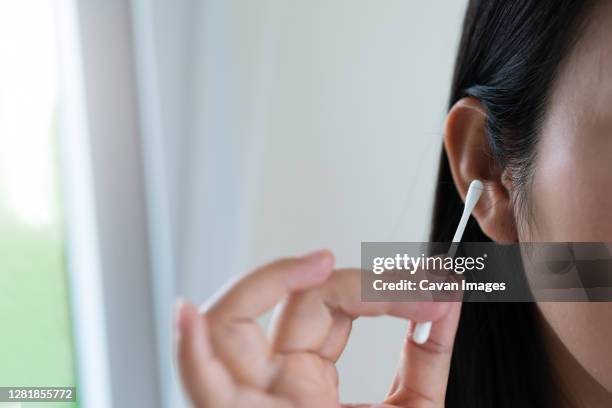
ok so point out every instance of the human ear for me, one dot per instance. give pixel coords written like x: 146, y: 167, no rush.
x: 469, y: 156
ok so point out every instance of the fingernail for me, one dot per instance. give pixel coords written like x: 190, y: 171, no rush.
x: 421, y: 332
x: 322, y: 261
x: 317, y: 266
x: 178, y: 308
x: 316, y: 256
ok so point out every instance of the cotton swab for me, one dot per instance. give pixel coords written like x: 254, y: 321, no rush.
x: 422, y: 330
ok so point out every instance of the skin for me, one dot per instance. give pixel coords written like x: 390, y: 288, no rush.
x: 569, y: 195
x: 226, y: 360
x: 572, y: 183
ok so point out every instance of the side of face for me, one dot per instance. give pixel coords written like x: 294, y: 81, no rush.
x: 572, y: 185
x: 571, y: 189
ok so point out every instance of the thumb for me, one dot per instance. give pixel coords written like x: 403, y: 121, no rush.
x: 422, y: 375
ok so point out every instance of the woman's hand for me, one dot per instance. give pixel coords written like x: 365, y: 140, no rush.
x: 226, y: 360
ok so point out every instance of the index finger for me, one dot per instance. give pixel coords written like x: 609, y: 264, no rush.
x: 320, y: 320
x: 343, y: 292
x: 259, y: 291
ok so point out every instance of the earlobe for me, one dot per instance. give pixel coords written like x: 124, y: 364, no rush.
x: 469, y: 156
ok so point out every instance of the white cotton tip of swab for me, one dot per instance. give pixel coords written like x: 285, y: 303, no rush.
x: 473, y: 194
x: 421, y: 332
x: 471, y: 198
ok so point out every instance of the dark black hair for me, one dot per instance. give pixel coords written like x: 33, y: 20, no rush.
x: 508, y: 58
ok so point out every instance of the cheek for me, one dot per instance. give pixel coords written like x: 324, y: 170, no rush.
x: 572, y: 189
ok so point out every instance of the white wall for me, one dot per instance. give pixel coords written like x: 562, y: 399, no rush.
x: 295, y: 125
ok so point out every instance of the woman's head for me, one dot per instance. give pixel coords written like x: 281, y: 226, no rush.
x: 512, y: 58
x: 529, y: 115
